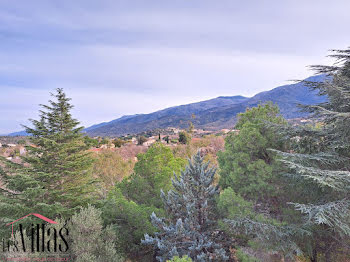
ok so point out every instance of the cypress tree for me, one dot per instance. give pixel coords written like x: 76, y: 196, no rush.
x: 189, y: 229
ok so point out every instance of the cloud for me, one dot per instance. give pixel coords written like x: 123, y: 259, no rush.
x: 126, y: 57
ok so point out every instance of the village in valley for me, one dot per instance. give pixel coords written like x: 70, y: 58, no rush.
x: 128, y: 146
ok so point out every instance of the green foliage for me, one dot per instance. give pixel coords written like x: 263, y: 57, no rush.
x: 133, y: 200
x: 21, y: 195
x: 182, y: 259
x: 21, y: 142
x: 130, y: 222
x: 189, y: 229
x: 184, y: 137
x: 230, y: 205
x: 320, y: 161
x: 190, y: 127
x: 118, y: 142
x: 104, y: 141
x: 242, y: 257
x: 246, y: 165
x: 91, y: 142
x: 317, y: 221
x: 166, y: 139
x: 56, y: 179
x: 58, y: 157
x: 152, y: 172
x: 90, y: 241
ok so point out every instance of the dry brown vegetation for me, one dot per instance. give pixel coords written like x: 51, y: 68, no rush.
x: 110, y: 167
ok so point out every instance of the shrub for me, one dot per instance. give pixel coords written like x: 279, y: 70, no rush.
x: 90, y: 241
x: 141, y: 140
x: 182, y: 259
x: 184, y: 137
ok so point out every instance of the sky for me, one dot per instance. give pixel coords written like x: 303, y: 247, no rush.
x: 117, y: 58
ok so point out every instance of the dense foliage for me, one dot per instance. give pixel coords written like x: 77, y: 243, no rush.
x: 56, y: 178
x: 189, y: 229
x: 325, y: 163
x: 246, y: 165
x: 316, y: 218
x: 282, y: 189
x: 133, y: 200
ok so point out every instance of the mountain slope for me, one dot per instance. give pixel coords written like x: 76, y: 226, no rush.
x: 160, y: 119
x: 19, y: 133
x: 215, y: 113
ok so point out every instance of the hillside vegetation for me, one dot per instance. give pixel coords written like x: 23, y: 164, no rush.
x: 268, y: 190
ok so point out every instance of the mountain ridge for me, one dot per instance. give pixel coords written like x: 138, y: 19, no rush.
x: 215, y: 113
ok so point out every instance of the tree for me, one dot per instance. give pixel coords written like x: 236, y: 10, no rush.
x: 326, y: 164
x: 318, y: 164
x: 130, y: 222
x: 118, y: 142
x: 104, y: 141
x: 132, y: 201
x: 90, y: 241
x: 21, y: 142
x: 91, y: 142
x: 184, y: 137
x: 58, y: 153
x: 152, y: 172
x: 189, y: 229
x: 166, y: 139
x: 56, y: 179
x: 246, y: 165
x: 141, y: 140
x: 110, y: 168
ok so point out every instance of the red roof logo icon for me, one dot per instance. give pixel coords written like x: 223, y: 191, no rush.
x: 33, y: 214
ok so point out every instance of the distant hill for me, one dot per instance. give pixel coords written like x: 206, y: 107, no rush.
x: 19, y: 133
x: 215, y: 113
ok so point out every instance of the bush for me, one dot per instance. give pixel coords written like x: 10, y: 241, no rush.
x: 230, y: 205
x: 182, y: 259
x: 242, y: 257
x: 92, y: 242
x: 91, y: 142
x: 141, y: 140
x: 118, y: 142
x: 130, y: 222
x: 184, y: 137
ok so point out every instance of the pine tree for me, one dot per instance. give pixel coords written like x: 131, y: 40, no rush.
x: 55, y: 178
x: 190, y: 230
x: 246, y: 165
x: 58, y: 153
